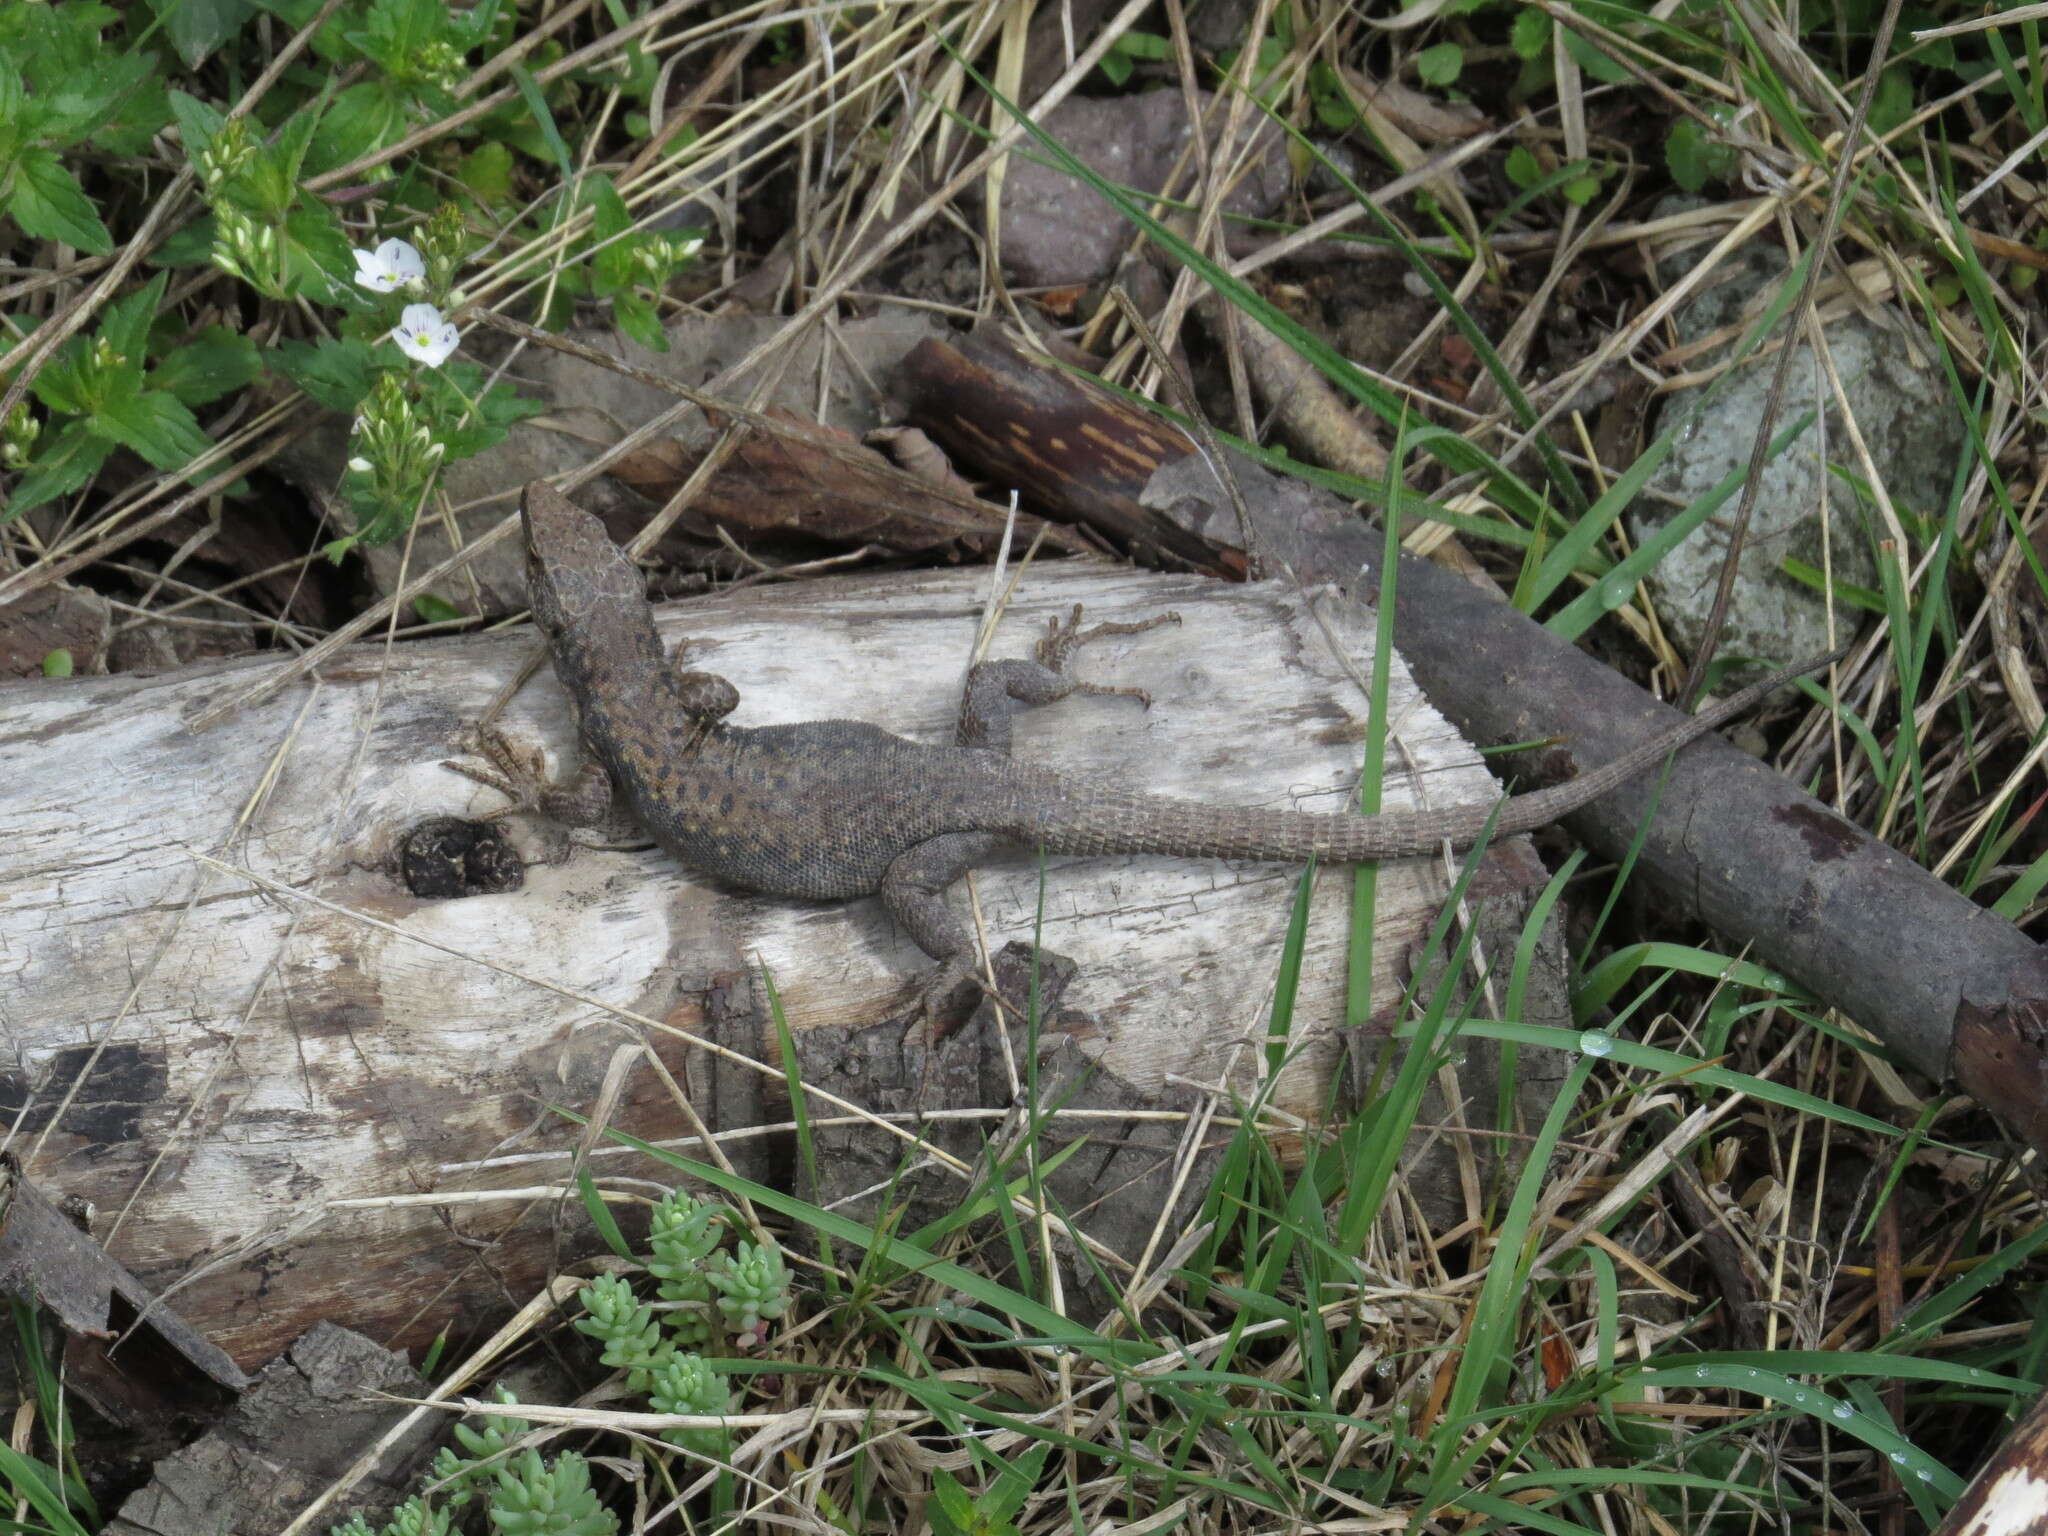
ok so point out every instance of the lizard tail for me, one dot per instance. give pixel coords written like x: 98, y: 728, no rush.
x: 1094, y: 818
x: 1109, y: 821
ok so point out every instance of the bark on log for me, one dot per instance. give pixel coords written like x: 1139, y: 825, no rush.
x: 2009, y: 1494
x: 221, y: 1066
x: 301, y: 1427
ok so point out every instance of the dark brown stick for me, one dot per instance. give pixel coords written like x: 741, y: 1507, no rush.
x: 1956, y: 990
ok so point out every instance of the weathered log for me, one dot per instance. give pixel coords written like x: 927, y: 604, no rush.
x: 221, y: 1062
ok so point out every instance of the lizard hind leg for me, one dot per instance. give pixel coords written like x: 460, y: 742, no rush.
x: 996, y: 690
x: 1063, y: 637
x: 914, y: 890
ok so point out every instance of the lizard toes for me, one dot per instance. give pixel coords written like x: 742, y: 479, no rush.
x: 948, y: 996
x: 518, y: 776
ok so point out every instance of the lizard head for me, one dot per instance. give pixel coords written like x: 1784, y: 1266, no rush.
x: 585, y: 594
x: 574, y: 573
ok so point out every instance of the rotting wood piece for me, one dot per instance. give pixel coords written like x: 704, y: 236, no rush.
x: 805, y: 483
x: 304, y: 1421
x: 137, y: 1362
x: 1073, y: 450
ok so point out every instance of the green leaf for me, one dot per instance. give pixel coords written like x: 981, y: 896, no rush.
x: 1595, y: 63
x: 470, y: 433
x: 48, y: 202
x: 58, y: 663
x: 54, y: 40
x: 65, y: 382
x: 1014, y: 1483
x: 191, y: 246
x: 435, y: 610
x: 1530, y: 35
x: 1683, y: 155
x: 637, y: 321
x: 544, y: 120
x: 469, y: 30
x: 81, y: 99
x: 156, y: 424
x: 213, y: 363
x: 125, y: 326
x: 608, y: 214
x: 486, y: 175
x: 560, y: 311
x: 1334, y: 109
x: 1440, y: 65
x: 138, y: 117
x: 476, y: 437
x: 1694, y: 156
x: 363, y: 118
x: 20, y: 117
x: 197, y: 28
x: 513, y: 124
x: 951, y: 1506
x: 283, y: 160
x: 1893, y: 102
x: 338, y: 374
x: 601, y: 1216
x: 612, y: 270
x: 61, y: 468
x: 1521, y: 165
x: 1153, y: 46
x: 198, y: 124
x: 318, y: 257
x: 398, y: 32
x: 264, y: 187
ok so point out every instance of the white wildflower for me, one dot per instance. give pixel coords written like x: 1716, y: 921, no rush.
x: 424, y: 336
x: 393, y: 265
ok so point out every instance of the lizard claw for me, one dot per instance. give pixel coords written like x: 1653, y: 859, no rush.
x: 953, y: 993
x: 520, y: 777
x: 948, y: 996
x: 1063, y: 637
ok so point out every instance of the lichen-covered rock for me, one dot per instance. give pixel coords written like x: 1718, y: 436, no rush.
x: 1902, y: 409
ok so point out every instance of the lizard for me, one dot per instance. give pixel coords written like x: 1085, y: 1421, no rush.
x: 835, y: 810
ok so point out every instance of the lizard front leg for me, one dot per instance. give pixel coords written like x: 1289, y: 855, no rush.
x: 705, y: 697
x: 997, y: 690
x: 581, y: 797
